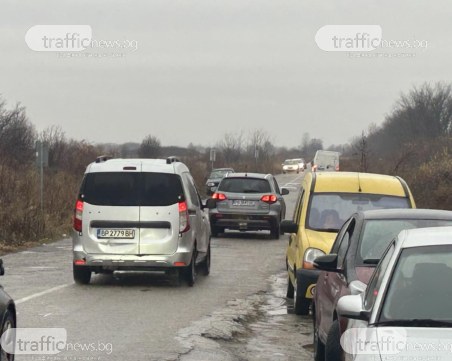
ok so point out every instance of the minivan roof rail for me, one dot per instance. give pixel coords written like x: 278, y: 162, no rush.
x: 172, y: 159
x: 103, y: 158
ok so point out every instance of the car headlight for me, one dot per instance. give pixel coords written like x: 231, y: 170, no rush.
x: 210, y: 184
x: 310, y: 255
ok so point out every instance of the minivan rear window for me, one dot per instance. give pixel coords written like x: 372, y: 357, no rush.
x: 132, y: 189
x: 244, y: 185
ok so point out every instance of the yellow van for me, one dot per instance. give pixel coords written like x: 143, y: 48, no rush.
x: 325, y: 202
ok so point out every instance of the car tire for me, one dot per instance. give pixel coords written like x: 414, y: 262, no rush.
x: 82, y: 274
x: 274, y: 232
x: 190, y: 270
x: 205, y: 265
x: 319, y: 347
x: 290, y: 289
x: 300, y: 303
x: 333, y: 350
x: 215, y: 231
x: 8, y: 323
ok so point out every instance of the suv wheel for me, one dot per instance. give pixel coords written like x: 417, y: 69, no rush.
x: 333, y: 350
x: 190, y: 271
x: 82, y: 274
x: 205, y: 265
x: 319, y: 347
x: 274, y: 232
x: 300, y: 304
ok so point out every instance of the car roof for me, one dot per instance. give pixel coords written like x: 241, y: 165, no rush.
x: 405, y: 213
x: 149, y: 165
x: 248, y: 175
x: 354, y: 182
x: 216, y: 169
x: 425, y: 237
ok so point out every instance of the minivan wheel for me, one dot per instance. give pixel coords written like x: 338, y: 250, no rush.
x: 190, y: 271
x: 290, y: 289
x: 205, y: 265
x: 82, y: 275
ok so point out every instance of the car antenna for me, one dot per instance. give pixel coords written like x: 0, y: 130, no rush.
x: 246, y: 170
x: 359, y: 184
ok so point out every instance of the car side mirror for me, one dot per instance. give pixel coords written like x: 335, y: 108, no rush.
x: 287, y: 226
x: 284, y: 191
x: 211, y: 203
x: 327, y: 263
x: 351, y: 306
x: 2, y: 269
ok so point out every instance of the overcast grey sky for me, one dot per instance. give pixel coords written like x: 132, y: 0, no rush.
x: 206, y: 67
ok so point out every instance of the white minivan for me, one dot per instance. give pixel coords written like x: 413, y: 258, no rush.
x: 139, y: 214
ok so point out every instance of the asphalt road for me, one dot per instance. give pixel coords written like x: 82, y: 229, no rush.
x: 238, y: 312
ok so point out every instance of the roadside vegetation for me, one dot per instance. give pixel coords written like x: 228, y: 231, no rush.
x: 414, y: 142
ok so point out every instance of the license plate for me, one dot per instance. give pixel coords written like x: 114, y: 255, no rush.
x: 115, y: 233
x: 242, y: 203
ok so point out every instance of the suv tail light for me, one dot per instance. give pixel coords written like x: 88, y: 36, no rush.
x: 269, y: 198
x: 78, y: 213
x: 219, y: 196
x: 184, y: 220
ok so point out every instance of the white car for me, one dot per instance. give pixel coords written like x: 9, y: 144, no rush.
x: 405, y: 312
x: 290, y: 165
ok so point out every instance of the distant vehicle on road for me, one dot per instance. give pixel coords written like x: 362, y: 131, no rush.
x: 301, y: 163
x: 247, y: 202
x: 356, y: 251
x: 326, y: 201
x: 291, y: 166
x: 139, y: 214
x: 406, y: 302
x: 325, y: 160
x: 215, y: 177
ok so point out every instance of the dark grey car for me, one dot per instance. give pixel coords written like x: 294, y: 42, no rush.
x: 247, y: 202
x: 215, y: 178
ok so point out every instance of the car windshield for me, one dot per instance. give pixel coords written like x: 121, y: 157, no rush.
x: 420, y: 287
x: 132, y: 189
x: 290, y: 162
x: 244, y: 185
x: 377, y: 233
x: 219, y: 173
x: 328, y: 211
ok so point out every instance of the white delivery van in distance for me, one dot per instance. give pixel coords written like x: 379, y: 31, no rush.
x: 325, y: 160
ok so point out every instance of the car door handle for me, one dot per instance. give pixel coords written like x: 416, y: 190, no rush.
x: 192, y: 212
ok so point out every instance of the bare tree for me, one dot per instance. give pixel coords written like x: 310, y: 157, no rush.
x: 17, y: 135
x: 150, y: 147
x: 231, y: 147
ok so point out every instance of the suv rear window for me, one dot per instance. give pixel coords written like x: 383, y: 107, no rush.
x: 132, y: 189
x: 245, y: 185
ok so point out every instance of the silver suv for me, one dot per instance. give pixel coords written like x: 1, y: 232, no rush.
x: 139, y: 214
x: 247, y: 202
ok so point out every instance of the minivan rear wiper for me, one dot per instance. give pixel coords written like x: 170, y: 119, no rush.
x: 416, y: 322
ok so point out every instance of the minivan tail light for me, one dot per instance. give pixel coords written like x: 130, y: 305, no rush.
x: 184, y: 220
x: 219, y: 196
x: 78, y: 213
x: 269, y: 198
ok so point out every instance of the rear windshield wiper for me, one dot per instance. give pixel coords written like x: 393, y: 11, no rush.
x: 416, y: 322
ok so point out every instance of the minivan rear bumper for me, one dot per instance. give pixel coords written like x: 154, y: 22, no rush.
x: 118, y: 262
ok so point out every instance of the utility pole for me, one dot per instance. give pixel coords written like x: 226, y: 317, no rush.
x: 42, y: 160
x: 213, y: 156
